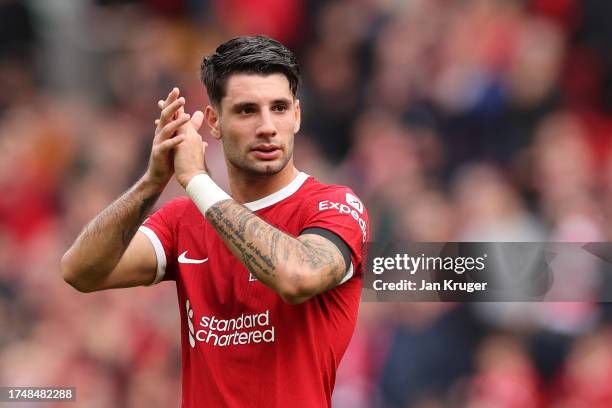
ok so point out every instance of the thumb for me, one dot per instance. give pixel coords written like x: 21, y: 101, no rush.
x: 197, y: 119
x: 204, y: 145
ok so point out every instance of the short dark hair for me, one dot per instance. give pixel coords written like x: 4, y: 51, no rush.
x: 255, y: 55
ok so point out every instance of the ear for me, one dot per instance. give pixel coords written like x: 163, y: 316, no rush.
x: 211, y: 117
x: 298, y: 116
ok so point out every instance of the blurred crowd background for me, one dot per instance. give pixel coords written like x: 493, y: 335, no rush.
x: 454, y: 120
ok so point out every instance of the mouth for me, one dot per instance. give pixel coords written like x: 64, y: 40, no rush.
x: 266, y: 151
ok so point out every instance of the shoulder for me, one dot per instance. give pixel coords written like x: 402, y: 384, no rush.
x: 336, y: 208
x: 323, y: 195
x: 175, y: 208
x: 178, y: 203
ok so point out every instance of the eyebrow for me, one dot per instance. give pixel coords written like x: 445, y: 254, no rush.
x: 243, y: 105
x: 282, y: 101
x: 246, y: 104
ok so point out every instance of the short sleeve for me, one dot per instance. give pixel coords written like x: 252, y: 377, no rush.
x: 340, y: 211
x: 160, y: 229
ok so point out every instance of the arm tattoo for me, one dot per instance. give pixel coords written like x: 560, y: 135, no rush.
x: 329, y: 257
x: 103, y: 241
x: 145, y: 205
x: 122, y: 218
x: 266, y: 251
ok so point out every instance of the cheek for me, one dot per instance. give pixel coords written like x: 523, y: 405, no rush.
x: 234, y: 142
x: 243, y: 129
x: 286, y: 124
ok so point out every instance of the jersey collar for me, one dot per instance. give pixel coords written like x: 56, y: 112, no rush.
x: 280, y: 195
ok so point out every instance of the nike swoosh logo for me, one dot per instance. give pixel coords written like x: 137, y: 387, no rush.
x: 183, y: 259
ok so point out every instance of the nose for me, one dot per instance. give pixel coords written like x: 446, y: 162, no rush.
x: 266, y: 126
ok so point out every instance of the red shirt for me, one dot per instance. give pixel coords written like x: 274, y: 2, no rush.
x: 242, y: 345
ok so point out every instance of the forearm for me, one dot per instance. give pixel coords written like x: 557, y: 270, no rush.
x: 100, y: 245
x: 296, y: 269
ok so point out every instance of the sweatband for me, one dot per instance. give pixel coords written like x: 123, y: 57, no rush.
x: 204, y: 192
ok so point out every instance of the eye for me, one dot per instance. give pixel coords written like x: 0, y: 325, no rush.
x: 247, y: 110
x: 279, y: 108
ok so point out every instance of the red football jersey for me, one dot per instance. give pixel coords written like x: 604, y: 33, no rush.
x: 242, y: 345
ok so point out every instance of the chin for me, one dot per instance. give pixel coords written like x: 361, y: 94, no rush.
x: 266, y: 168
x: 261, y: 167
x: 270, y: 169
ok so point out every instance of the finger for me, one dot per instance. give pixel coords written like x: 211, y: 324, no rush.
x: 169, y: 111
x: 172, y: 96
x: 174, y: 93
x: 170, y: 144
x: 180, y: 111
x: 197, y: 119
x: 169, y: 129
x: 162, y: 104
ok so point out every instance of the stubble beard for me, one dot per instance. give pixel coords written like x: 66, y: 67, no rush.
x: 259, y: 167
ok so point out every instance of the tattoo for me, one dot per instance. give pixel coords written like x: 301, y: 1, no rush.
x: 273, y: 248
x: 131, y: 228
x: 124, y: 217
x: 236, y: 238
x: 267, y: 252
x: 326, y: 256
x: 99, y: 247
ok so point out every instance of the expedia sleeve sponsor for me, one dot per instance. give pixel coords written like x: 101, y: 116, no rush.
x: 345, y: 209
x: 337, y: 209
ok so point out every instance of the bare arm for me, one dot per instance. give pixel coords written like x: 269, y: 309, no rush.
x: 96, y: 259
x: 109, y: 252
x: 296, y: 268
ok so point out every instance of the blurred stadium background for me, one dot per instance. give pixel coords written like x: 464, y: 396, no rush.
x: 453, y: 120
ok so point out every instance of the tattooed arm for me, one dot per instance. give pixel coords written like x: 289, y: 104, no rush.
x: 296, y: 268
x: 109, y: 252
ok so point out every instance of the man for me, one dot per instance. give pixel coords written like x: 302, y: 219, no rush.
x: 268, y: 279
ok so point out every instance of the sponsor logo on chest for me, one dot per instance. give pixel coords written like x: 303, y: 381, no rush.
x: 245, y: 329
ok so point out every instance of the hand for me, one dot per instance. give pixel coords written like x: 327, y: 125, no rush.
x: 161, y: 167
x: 188, y: 158
x: 189, y: 155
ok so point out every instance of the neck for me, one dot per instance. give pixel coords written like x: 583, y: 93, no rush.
x: 251, y: 187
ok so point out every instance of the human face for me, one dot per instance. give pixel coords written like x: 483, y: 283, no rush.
x: 258, y: 119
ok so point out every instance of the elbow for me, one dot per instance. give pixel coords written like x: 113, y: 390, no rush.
x: 70, y: 275
x: 67, y: 271
x: 297, y: 291
x: 79, y: 287
x: 293, y: 298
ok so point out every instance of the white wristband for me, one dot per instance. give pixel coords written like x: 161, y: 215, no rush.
x: 204, y: 192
